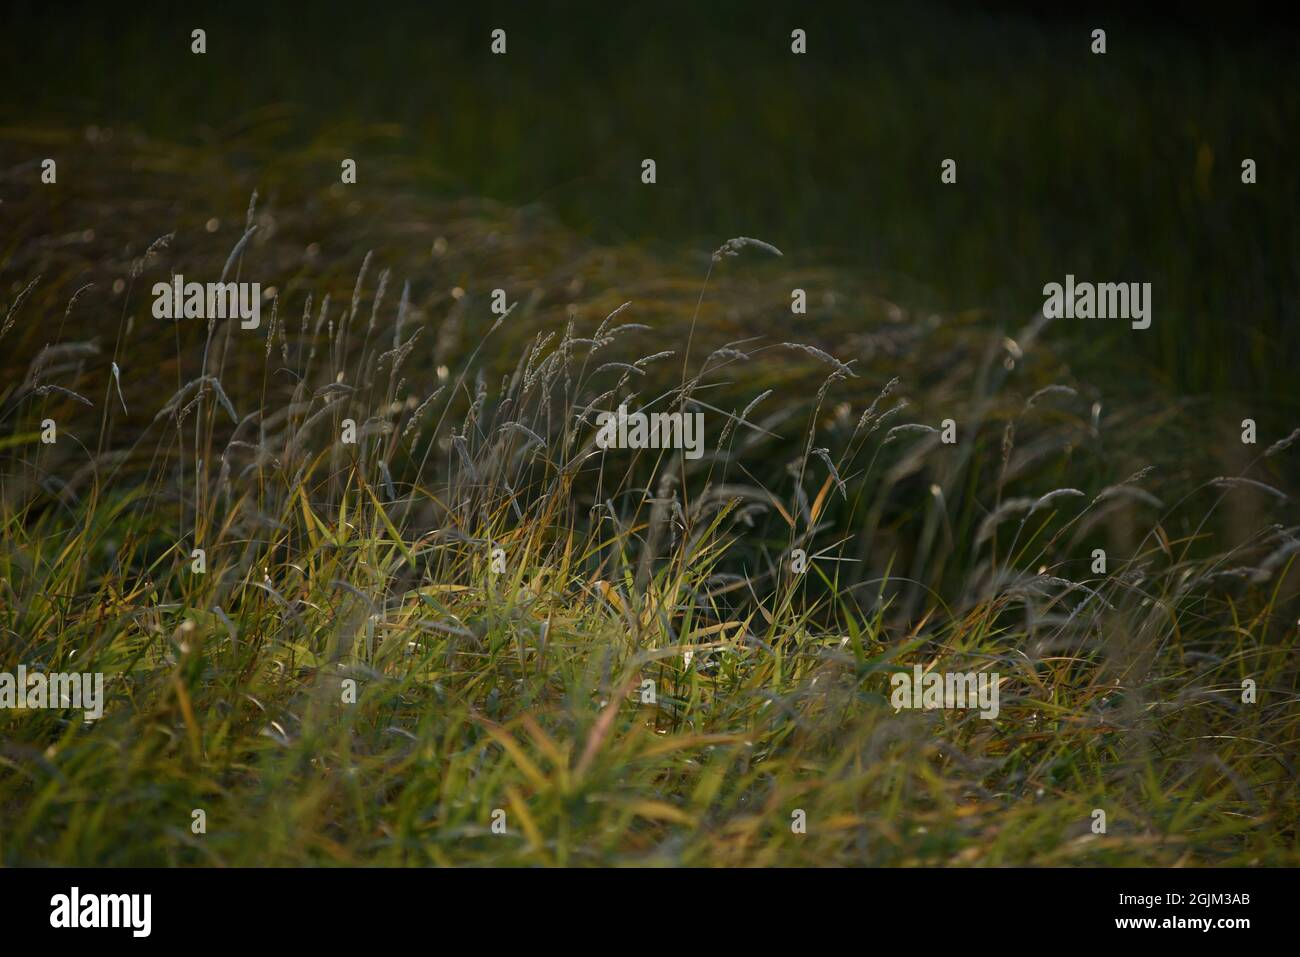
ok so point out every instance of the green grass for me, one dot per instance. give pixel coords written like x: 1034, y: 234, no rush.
x: 522, y: 691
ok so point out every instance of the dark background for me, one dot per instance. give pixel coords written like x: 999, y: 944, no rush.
x: 1123, y: 167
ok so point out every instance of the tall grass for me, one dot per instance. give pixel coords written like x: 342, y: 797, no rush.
x: 524, y: 689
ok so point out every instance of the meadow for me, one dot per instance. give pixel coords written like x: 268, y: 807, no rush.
x: 473, y: 637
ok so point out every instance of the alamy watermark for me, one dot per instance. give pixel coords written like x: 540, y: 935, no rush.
x: 75, y: 909
x: 179, y: 299
x: 1104, y: 300
x: 654, y: 430
x: 934, y: 690
x: 58, y: 689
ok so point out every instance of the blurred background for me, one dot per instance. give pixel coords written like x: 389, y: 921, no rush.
x: 1122, y: 167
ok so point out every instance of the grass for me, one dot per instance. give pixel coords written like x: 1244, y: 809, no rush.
x: 524, y: 690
